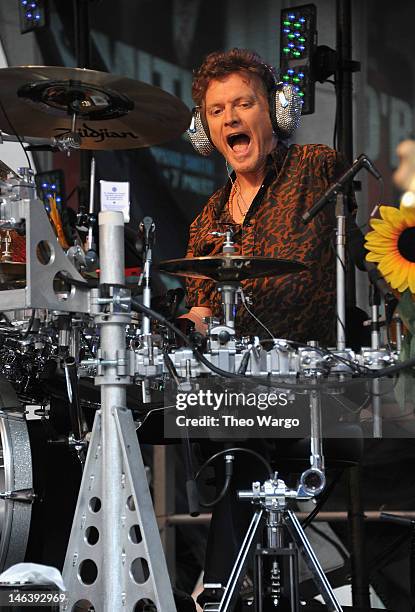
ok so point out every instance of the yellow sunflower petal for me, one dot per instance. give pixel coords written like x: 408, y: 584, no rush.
x: 404, y: 286
x: 392, y: 215
x: 382, y: 249
x: 400, y: 275
x: 384, y: 228
x: 375, y: 238
x: 390, y: 263
x: 374, y: 256
x: 411, y: 277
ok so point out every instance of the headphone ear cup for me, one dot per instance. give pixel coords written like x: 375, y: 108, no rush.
x: 198, y: 133
x: 285, y: 110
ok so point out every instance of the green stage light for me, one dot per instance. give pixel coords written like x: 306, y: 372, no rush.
x: 298, y: 44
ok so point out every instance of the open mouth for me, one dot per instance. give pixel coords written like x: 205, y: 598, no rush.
x: 239, y: 143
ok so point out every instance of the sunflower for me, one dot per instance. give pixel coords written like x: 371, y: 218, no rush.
x: 391, y: 244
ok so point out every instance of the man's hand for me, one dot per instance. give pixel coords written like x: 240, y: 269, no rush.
x: 196, y: 314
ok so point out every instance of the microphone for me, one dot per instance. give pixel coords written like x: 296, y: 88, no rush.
x: 147, y: 227
x: 362, y: 161
x: 370, y: 166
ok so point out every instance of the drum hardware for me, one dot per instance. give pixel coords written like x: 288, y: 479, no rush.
x: 6, y: 255
x: 46, y: 260
x: 76, y: 256
x: 15, y: 477
x: 114, y: 474
x: 228, y: 270
x: 91, y: 256
x: 24, y: 496
x: 64, y: 143
x: 270, y: 499
x: 374, y: 301
x: 79, y: 427
x: 398, y: 332
x: 111, y: 112
x: 147, y: 228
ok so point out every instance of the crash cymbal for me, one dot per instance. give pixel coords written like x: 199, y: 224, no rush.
x: 11, y: 271
x: 230, y: 267
x: 113, y: 112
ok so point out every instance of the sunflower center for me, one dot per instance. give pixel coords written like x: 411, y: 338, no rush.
x: 406, y: 244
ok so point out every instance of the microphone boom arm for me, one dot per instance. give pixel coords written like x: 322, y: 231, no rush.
x: 360, y: 162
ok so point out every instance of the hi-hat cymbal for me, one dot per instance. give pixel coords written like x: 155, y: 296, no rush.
x: 113, y: 112
x: 222, y: 268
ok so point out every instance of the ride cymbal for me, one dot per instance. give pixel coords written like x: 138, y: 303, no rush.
x: 221, y: 268
x: 112, y: 112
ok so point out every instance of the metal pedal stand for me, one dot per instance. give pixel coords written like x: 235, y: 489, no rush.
x: 270, y: 500
x: 114, y: 560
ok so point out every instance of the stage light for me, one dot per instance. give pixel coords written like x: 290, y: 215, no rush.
x: 50, y: 184
x: 33, y: 15
x: 298, y: 44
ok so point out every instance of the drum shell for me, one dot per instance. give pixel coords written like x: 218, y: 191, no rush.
x: 37, y: 532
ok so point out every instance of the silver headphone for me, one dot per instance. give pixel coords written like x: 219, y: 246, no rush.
x: 285, y: 112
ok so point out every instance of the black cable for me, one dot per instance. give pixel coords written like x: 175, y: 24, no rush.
x: 361, y: 370
x: 229, y: 471
x: 321, y: 500
x: 71, y: 193
x: 255, y: 380
x: 369, y: 373
x: 15, y: 133
x: 171, y: 367
x: 199, y: 356
x: 223, y: 491
x: 87, y: 284
x: 409, y: 363
x: 236, y: 450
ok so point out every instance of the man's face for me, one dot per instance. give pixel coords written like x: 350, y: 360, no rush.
x: 237, y: 114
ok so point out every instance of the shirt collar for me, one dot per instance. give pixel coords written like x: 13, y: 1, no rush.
x: 275, y: 161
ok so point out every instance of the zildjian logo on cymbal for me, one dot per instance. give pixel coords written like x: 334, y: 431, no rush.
x: 99, y: 135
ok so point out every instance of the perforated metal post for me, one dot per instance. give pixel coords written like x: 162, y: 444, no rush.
x: 114, y: 560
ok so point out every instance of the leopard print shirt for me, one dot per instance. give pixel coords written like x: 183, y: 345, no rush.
x: 298, y: 306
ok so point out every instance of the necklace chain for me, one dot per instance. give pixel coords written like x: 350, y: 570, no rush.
x: 235, y: 195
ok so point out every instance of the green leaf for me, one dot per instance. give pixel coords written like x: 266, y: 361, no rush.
x: 406, y: 310
x: 405, y: 385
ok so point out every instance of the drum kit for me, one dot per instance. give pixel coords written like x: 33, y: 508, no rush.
x: 62, y: 328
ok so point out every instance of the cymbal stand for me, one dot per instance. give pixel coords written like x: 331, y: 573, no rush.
x: 270, y: 500
x: 375, y: 344
x: 228, y: 291
x: 341, y: 271
x: 91, y: 257
x: 114, y: 559
x: 147, y: 228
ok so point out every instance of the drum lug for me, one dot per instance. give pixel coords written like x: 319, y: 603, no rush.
x: 26, y: 496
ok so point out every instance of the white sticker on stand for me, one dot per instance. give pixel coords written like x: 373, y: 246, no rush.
x: 116, y: 196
